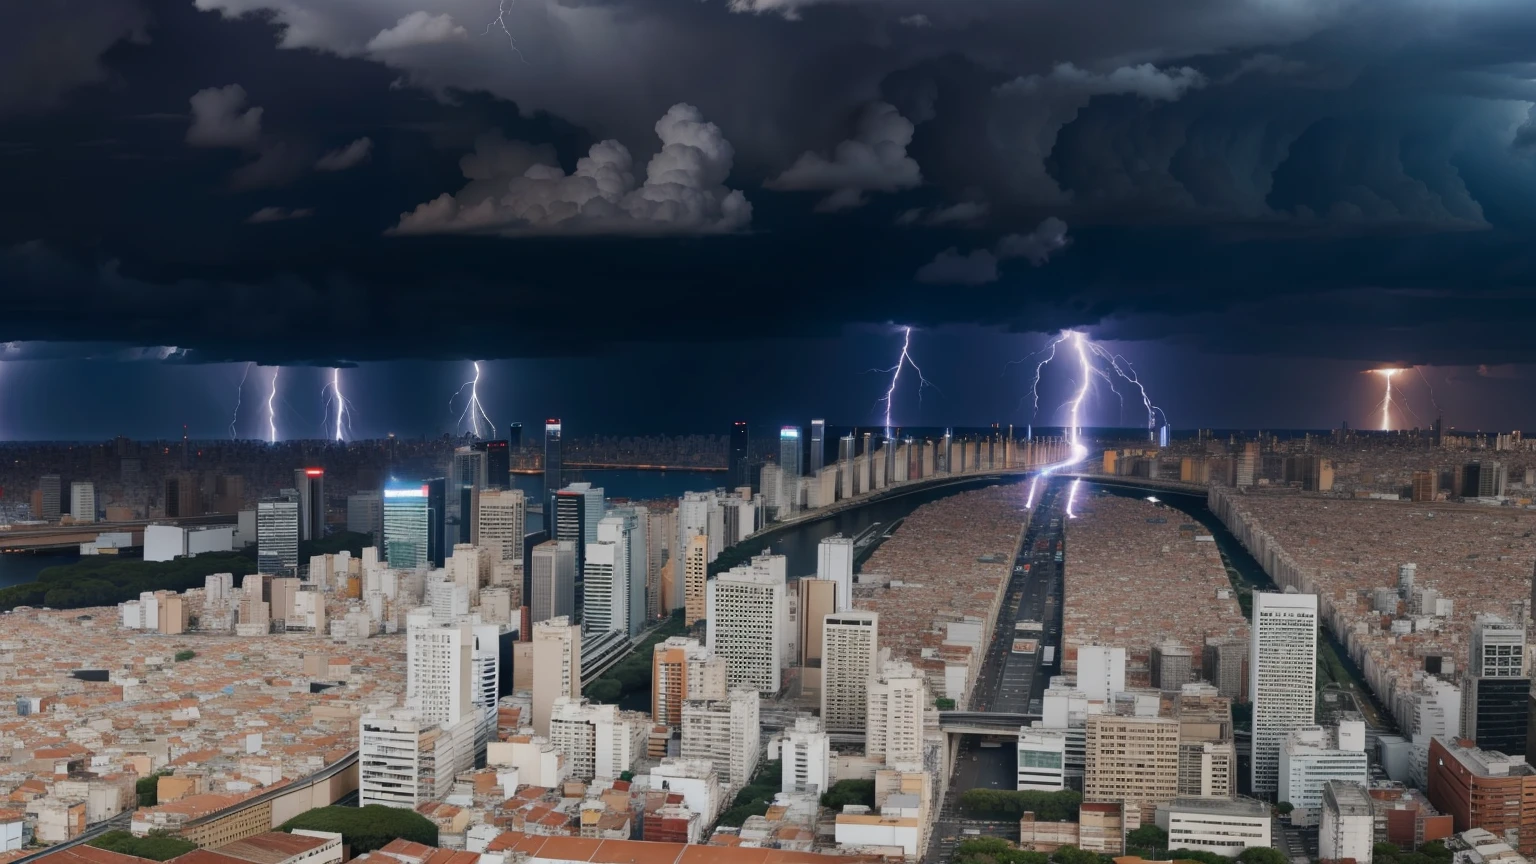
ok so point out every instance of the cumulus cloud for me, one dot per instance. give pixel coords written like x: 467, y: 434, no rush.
x: 955, y: 214
x: 517, y: 188
x: 418, y: 28
x: 278, y: 214
x: 1525, y: 134
x: 918, y: 20
x: 220, y: 118
x: 874, y: 160
x: 347, y: 157
x: 48, y: 49
x: 979, y: 266
x: 1145, y: 80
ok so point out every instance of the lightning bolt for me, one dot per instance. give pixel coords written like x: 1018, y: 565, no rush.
x: 502, y: 8
x: 902, y: 359
x: 1429, y: 387
x: 1114, y: 361
x: 1386, y: 402
x: 239, y: 397
x: 472, y: 409
x: 272, y: 408
x: 333, y: 395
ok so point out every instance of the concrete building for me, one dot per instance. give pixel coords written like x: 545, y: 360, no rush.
x: 605, y: 591
x: 1348, y: 823
x: 277, y: 535
x: 806, y: 755
x: 1172, y: 665
x: 553, y: 581
x: 1100, y: 671
x: 597, y: 740
x: 1131, y: 759
x: 1283, y: 679
x: 405, y: 760
x: 556, y: 668
x: 898, y: 699
x: 1484, y: 789
x: 746, y: 614
x: 849, y: 662
x: 1226, y: 666
x: 1213, y: 825
x: 1313, y: 756
x: 1042, y: 760
x: 1207, y: 751
x: 365, y: 515
x: 727, y: 732
x: 503, y: 522
x: 834, y: 562
x: 168, y: 542
x: 50, y: 495
x: 82, y: 502
x: 408, y: 525
x: 682, y: 669
x: 696, y: 578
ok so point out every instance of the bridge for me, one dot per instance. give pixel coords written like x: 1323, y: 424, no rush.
x: 37, y: 538
x: 984, y: 722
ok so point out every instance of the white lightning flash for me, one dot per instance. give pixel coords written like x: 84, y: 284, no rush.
x: 239, y: 397
x: 333, y: 396
x: 272, y: 408
x: 502, y: 8
x: 902, y: 359
x: 473, y: 410
x: 1388, y: 401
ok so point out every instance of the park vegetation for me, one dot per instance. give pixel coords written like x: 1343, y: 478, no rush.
x: 107, y: 580
x: 994, y: 850
x: 155, y: 846
x: 849, y: 792
x: 755, y: 798
x: 633, y: 673
x: 1009, y: 805
x: 367, y: 828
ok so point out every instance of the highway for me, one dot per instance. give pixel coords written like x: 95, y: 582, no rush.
x: 1009, y: 684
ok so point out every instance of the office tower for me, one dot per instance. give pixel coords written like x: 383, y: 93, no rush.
x: 726, y: 732
x: 683, y: 669
x: 578, y: 507
x: 553, y: 476
x: 597, y: 741
x: 660, y: 540
x: 771, y: 480
x: 311, y: 485
x: 553, y: 578
x: 1348, y: 823
x: 180, y: 495
x: 49, y: 492
x: 695, y: 579
x: 407, y: 525
x: 694, y: 515
x: 1172, y: 665
x: 893, y: 728
x: 1248, y: 464
x: 818, y: 454
x: 514, y: 437
x: 626, y: 527
x: 736, y: 466
x: 438, y: 542
x: 850, y: 645
x: 1130, y: 758
x: 834, y: 563
x: 1495, y: 713
x: 605, y: 592
x: 556, y: 667
x: 745, y: 611
x: 439, y: 670
x: 1212, y: 825
x: 816, y: 598
x: 790, y: 458
x: 277, y: 535
x: 1426, y: 485
x: 845, y: 448
x: 503, y: 522
x: 806, y: 757
x: 1207, y: 751
x: 1314, y: 755
x: 1497, y: 649
x: 870, y: 480
x: 1283, y: 678
x: 1100, y: 671
x: 82, y: 502
x: 1484, y: 479
x: 498, y: 461
x: 365, y: 515
x: 1484, y: 789
x: 1042, y: 759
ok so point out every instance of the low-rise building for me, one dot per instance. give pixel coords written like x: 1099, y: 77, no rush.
x: 1348, y: 823
x: 1313, y: 755
x: 1214, y: 825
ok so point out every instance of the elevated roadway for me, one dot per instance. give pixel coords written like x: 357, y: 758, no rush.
x: 33, y: 538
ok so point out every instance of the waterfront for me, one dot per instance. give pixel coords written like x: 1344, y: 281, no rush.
x: 17, y: 568
x: 629, y: 483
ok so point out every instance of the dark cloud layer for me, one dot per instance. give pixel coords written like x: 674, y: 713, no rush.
x: 306, y: 180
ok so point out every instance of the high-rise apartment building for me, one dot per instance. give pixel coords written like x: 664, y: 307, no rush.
x: 893, y: 728
x: 50, y: 488
x: 605, y: 591
x: 816, y: 598
x: 790, y: 457
x: 597, y: 740
x: 834, y: 562
x: 1314, y: 755
x: 737, y: 472
x: 553, y: 476
x: 556, y: 667
x: 682, y: 669
x: 1207, y: 752
x: 439, y: 671
x: 365, y: 515
x: 727, y: 732
x: 552, y: 581
x: 277, y: 535
x: 806, y: 757
x: 818, y: 454
x: 311, y: 485
x: 850, y: 646
x: 746, y: 613
x: 1172, y: 665
x: 407, y: 525
x: 1132, y: 759
x: 696, y: 578
x: 1100, y: 671
x: 180, y: 496
x: 405, y: 760
x: 625, y: 527
x: 503, y: 522
x: 1283, y: 678
x: 82, y: 501
x: 1225, y: 665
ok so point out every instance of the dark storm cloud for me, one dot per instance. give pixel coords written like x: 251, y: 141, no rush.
x: 1216, y: 159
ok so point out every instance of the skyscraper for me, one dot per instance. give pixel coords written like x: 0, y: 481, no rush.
x: 311, y: 485
x: 1282, y: 683
x: 556, y: 667
x: 737, y: 466
x: 180, y: 496
x: 552, y: 470
x: 277, y: 535
x: 834, y: 563
x: 818, y: 453
x: 438, y: 544
x: 514, y: 437
x: 498, y: 462
x: 850, y: 643
x: 553, y: 581
x: 893, y: 728
x: 82, y: 501
x: 745, y: 611
x: 407, y: 525
x: 605, y: 585
x: 503, y: 516
x: 789, y: 463
x: 365, y: 515
x: 52, y: 491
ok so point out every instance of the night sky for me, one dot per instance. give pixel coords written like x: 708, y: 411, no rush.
x: 662, y: 215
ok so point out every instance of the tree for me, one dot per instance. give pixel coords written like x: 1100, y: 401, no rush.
x: 1435, y: 850
x: 849, y: 792
x: 1284, y: 808
x: 1262, y: 855
x: 994, y: 850
x: 155, y: 847
x: 944, y: 703
x: 367, y: 828
x: 1072, y: 855
x: 148, y: 789
x: 185, y: 655
x: 1148, y: 837
x: 1006, y: 804
x: 605, y: 690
